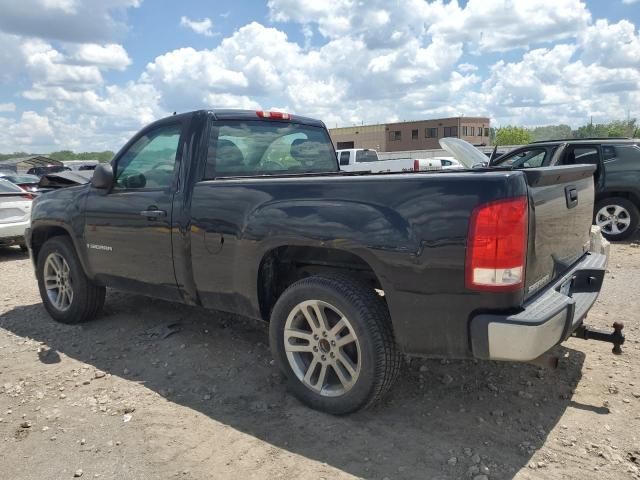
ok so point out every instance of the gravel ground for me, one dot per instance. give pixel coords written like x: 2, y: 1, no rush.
x: 153, y: 390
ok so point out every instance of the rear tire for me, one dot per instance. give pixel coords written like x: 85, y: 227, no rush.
x: 334, y: 368
x: 617, y: 217
x: 67, y: 293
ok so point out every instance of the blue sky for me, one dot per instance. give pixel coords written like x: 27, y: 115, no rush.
x: 86, y: 74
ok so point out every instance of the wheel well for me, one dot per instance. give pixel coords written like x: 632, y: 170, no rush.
x: 40, y: 235
x: 283, y: 266
x: 632, y: 197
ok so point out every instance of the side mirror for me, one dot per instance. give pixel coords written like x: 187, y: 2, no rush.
x: 102, y: 176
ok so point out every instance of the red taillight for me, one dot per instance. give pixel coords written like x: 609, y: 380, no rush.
x: 497, y: 245
x: 416, y: 165
x: 29, y: 196
x: 273, y: 115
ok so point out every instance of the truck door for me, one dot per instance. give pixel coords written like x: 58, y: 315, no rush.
x: 128, y: 228
x: 589, y: 154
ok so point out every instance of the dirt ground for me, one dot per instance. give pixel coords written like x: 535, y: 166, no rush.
x: 153, y: 390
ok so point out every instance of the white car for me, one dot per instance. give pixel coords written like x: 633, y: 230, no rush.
x: 449, y: 163
x: 367, y: 160
x: 15, y: 213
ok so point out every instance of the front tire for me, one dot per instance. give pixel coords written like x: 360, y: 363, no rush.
x: 617, y: 217
x: 67, y: 293
x: 331, y: 335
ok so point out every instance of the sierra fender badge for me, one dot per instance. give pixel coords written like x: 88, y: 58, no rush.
x: 95, y: 246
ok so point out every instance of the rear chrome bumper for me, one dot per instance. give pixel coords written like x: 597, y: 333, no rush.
x: 546, y: 320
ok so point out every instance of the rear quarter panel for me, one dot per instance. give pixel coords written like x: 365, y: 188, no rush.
x: 410, y: 228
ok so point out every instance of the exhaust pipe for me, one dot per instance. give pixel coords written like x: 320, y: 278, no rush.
x: 545, y: 361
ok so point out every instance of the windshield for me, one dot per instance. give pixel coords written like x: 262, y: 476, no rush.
x: 8, y: 187
x: 23, y: 178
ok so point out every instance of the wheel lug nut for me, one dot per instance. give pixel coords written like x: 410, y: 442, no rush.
x: 324, y: 334
x: 316, y: 337
x: 332, y: 355
x: 323, y: 357
x: 333, y: 343
x: 315, y: 349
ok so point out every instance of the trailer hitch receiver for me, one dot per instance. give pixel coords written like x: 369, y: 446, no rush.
x: 616, y: 337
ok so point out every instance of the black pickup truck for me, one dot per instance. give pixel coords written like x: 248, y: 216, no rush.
x: 247, y: 212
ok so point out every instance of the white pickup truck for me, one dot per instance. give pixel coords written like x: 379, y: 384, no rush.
x: 366, y: 160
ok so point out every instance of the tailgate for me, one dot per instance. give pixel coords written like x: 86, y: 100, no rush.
x: 562, y: 212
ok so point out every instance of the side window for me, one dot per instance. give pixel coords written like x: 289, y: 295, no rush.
x: 344, y: 158
x: 150, y: 161
x: 581, y: 155
x: 531, y: 158
x: 445, y: 163
x: 608, y: 152
x: 625, y: 157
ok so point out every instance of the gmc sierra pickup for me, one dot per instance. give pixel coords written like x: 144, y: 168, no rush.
x: 247, y: 212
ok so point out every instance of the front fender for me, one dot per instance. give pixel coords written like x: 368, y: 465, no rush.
x: 60, y: 212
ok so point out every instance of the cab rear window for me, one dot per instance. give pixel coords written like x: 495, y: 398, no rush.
x: 259, y: 148
x: 366, y: 156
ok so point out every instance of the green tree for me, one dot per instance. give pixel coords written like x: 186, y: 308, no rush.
x: 621, y: 128
x: 512, y: 135
x: 6, y: 156
x: 615, y: 128
x: 62, y: 155
x: 551, y: 132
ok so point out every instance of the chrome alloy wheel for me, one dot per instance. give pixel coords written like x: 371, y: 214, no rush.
x: 613, y: 219
x: 322, y: 348
x: 57, y: 281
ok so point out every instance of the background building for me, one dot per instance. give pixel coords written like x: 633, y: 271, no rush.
x: 417, y: 135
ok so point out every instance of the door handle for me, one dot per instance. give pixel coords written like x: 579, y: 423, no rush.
x: 571, y: 194
x: 151, y: 214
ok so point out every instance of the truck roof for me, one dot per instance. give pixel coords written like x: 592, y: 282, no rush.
x: 232, y: 114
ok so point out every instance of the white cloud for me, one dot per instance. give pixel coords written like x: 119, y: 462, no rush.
x: 32, y: 130
x: 7, y: 107
x: 374, y: 63
x: 611, y: 45
x: 110, y: 56
x: 66, y: 20
x: 546, y: 86
x: 47, y: 66
x: 67, y: 6
x: 629, y: 2
x: 202, y: 27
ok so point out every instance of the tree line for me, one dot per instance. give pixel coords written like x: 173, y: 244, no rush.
x: 63, y: 155
x: 514, y: 135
